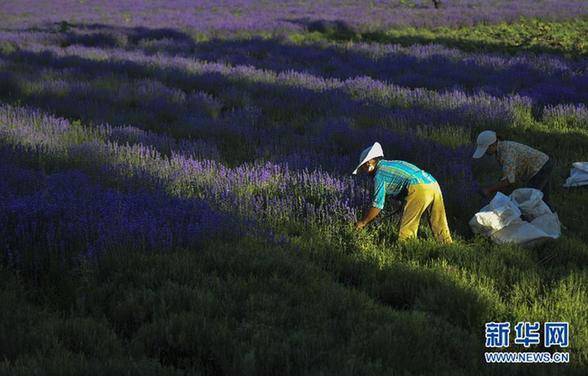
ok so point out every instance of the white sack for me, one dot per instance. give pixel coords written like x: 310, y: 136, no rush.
x: 549, y: 224
x: 501, y: 219
x: 519, y: 233
x: 578, y: 175
x: 499, y: 213
x: 530, y: 202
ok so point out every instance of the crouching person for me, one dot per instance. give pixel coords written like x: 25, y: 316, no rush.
x: 520, y: 164
x: 404, y: 180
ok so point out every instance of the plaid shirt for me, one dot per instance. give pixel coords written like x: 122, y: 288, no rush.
x: 519, y: 162
x: 394, y: 177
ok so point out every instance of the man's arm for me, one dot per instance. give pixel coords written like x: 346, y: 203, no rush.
x: 378, y: 199
x: 369, y: 216
x: 509, y: 168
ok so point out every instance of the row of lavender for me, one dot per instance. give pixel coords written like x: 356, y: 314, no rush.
x: 58, y: 143
x: 258, y: 15
x: 546, y: 79
x: 59, y: 217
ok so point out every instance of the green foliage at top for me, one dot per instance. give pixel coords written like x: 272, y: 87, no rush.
x: 566, y: 37
x: 569, y: 38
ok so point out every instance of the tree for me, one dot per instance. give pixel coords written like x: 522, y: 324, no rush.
x: 436, y: 3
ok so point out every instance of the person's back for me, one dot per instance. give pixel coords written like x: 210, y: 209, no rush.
x: 519, y: 162
x: 412, y: 173
x: 394, y: 176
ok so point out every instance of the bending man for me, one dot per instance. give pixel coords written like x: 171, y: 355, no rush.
x: 404, y: 180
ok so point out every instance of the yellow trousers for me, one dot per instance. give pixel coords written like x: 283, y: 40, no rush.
x: 423, y: 197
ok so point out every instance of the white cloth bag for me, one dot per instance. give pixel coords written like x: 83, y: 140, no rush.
x: 578, y: 175
x: 499, y: 213
x: 521, y: 218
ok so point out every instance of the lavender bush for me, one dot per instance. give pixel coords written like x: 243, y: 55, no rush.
x: 70, y: 217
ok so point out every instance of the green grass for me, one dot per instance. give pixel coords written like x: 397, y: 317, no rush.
x: 249, y: 309
x: 534, y: 35
x: 353, y: 304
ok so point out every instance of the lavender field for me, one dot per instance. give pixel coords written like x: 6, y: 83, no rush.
x: 176, y: 193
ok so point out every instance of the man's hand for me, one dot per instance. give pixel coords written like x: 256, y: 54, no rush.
x: 359, y: 225
x: 370, y: 215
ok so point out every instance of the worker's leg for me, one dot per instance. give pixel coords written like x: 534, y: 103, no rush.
x: 438, y: 217
x: 541, y: 182
x: 417, y: 201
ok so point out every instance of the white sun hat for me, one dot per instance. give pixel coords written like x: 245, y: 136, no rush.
x: 485, y: 139
x: 372, y: 152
